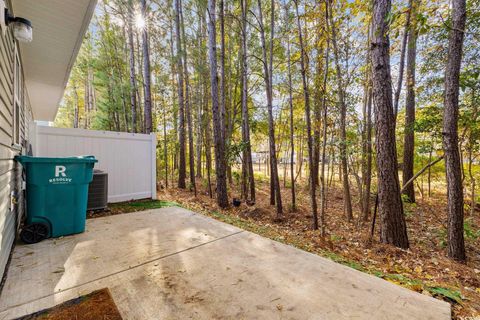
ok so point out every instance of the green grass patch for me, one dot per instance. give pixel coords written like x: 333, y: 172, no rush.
x: 471, y: 233
x: 446, y: 294
x: 141, y: 205
x: 450, y: 295
x: 335, y: 238
x: 404, y: 281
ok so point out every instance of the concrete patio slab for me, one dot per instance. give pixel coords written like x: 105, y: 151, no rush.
x: 174, y: 264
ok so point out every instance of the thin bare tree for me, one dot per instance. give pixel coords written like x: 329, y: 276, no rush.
x: 181, y: 101
x: 249, y: 190
x: 133, y: 79
x: 275, y: 195
x: 290, y: 103
x: 147, y: 96
x: 306, y: 97
x: 323, y: 156
x: 402, y: 59
x: 409, y: 137
x: 188, y: 104
x: 347, y: 198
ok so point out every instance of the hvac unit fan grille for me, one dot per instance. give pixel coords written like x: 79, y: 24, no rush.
x: 98, y: 191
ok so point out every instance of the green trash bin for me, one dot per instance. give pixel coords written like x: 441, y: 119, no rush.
x: 57, y: 191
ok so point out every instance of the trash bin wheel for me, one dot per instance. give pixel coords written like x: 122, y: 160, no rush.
x: 34, y: 233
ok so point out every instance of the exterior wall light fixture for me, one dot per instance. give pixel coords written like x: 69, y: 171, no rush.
x: 22, y: 28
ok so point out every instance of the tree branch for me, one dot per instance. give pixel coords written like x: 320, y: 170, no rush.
x: 405, y: 185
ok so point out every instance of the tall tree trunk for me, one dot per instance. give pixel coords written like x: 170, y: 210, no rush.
x: 317, y: 96
x: 92, y: 91
x: 201, y: 55
x: 86, y: 100
x: 275, y: 194
x: 347, y: 199
x: 181, y: 101
x: 220, y: 168
x: 208, y: 149
x: 470, y: 153
x: 306, y: 96
x: 429, y: 174
x: 367, y: 135
x: 409, y: 138
x: 75, y: 110
x: 393, y: 229
x: 472, y: 180
x: 456, y: 243
x: 188, y: 111
x: 199, y: 142
x: 120, y: 77
x: 165, y: 143
x: 139, y: 55
x: 323, y: 202
x: 225, y: 135
x: 367, y: 172
x: 402, y: 59
x: 247, y: 152
x: 147, y: 104
x: 174, y: 89
x: 89, y: 95
x: 292, y: 128
x: 113, y: 114
x: 317, y: 113
x: 222, y: 68
x: 133, y: 79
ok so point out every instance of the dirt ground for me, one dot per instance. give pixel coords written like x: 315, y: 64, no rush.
x: 423, y: 268
x: 96, y: 305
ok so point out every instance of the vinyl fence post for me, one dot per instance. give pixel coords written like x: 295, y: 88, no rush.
x: 154, y: 164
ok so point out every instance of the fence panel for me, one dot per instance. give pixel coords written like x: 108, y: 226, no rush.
x: 129, y: 159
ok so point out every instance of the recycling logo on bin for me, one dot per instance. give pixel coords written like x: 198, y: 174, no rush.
x: 60, y: 176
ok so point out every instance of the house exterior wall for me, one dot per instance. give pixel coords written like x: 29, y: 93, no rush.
x: 11, y: 142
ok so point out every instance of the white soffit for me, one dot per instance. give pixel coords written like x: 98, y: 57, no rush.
x: 58, y: 30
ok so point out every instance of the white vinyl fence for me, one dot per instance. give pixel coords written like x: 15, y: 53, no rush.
x: 128, y: 158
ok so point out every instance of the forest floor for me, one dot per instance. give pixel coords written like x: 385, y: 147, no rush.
x: 423, y: 268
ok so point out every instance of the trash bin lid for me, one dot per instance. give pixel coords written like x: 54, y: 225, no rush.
x: 78, y: 159
x: 97, y: 172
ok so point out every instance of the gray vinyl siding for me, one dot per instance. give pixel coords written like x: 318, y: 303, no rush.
x: 10, y: 172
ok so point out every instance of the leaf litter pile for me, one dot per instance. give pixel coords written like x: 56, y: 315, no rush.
x: 423, y: 268
x: 98, y: 305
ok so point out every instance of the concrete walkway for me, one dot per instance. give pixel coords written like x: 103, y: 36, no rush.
x: 174, y: 264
